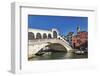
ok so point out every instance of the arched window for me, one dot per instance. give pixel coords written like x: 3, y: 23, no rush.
x: 44, y: 36
x: 30, y: 36
x: 54, y: 34
x: 38, y: 36
x: 49, y: 36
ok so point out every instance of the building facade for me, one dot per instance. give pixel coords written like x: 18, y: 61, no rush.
x: 69, y: 37
x: 80, y: 40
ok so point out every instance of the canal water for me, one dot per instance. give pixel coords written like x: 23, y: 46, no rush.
x: 59, y: 55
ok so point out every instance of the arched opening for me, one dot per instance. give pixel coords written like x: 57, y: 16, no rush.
x: 49, y: 36
x: 38, y: 36
x: 54, y: 34
x: 57, y: 47
x: 31, y: 36
x: 56, y: 50
x: 44, y: 36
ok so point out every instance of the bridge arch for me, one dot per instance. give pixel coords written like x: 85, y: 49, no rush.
x: 49, y: 36
x: 44, y: 36
x: 54, y: 34
x: 57, y: 47
x: 47, y: 42
x: 31, y: 36
x: 38, y: 36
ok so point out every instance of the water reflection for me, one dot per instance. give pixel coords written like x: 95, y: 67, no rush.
x: 58, y: 55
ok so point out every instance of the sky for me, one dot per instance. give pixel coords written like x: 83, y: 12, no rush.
x: 63, y: 24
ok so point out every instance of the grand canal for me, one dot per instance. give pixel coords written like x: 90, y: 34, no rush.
x: 59, y: 55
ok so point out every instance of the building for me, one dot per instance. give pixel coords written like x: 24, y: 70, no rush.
x: 80, y: 40
x: 78, y: 29
x: 69, y: 37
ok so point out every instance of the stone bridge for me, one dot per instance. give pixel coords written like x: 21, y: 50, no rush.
x: 37, y: 44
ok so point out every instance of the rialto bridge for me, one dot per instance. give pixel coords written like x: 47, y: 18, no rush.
x: 44, y: 39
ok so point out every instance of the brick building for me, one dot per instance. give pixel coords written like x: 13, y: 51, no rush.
x: 80, y: 40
